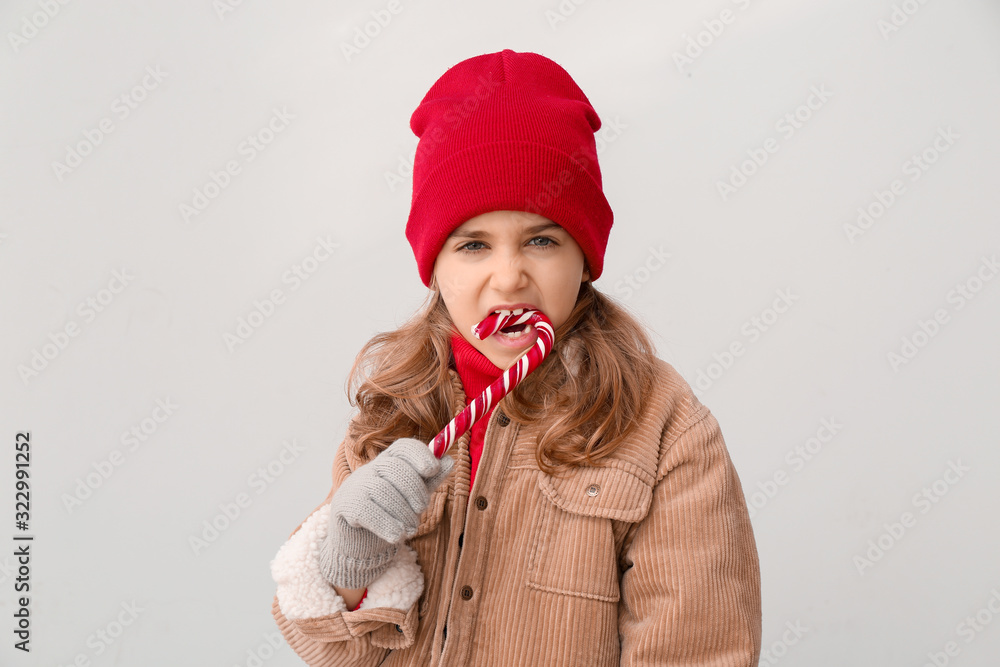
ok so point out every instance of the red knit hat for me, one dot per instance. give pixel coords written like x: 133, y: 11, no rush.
x: 506, y: 131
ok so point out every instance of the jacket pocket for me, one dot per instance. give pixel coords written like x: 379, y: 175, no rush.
x: 573, y: 550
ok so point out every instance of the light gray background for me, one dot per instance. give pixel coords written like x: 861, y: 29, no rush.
x: 681, y: 130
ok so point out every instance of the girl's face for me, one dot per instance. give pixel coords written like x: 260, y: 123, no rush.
x: 506, y: 260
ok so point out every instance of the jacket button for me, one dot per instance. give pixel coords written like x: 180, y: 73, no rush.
x: 502, y: 419
x: 466, y: 593
x: 481, y: 503
x: 399, y: 629
x: 593, y: 490
x: 460, y: 540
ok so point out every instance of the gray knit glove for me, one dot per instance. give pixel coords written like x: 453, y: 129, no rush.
x: 376, y: 508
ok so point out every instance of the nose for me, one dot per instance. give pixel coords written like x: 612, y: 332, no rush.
x: 508, y: 273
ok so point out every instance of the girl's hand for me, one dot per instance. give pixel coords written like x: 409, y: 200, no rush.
x: 376, y: 508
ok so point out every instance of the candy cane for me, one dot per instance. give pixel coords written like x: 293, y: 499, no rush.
x: 504, y: 384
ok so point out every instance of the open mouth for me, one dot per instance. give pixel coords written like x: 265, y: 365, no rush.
x: 513, y: 332
x: 514, y: 328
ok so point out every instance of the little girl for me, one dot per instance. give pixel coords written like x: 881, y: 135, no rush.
x: 593, y: 516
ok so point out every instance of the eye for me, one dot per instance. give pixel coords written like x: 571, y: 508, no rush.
x: 465, y: 248
x: 549, y: 243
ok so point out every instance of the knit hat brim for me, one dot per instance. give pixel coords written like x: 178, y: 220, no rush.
x: 539, y: 179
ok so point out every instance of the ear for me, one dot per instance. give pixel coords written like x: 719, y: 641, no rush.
x: 586, y: 273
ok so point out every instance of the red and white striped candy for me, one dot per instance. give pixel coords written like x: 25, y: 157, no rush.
x: 510, y: 378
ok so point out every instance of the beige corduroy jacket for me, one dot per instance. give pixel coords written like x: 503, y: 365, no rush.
x: 647, y: 559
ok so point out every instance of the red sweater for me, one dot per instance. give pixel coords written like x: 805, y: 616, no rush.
x: 477, y: 373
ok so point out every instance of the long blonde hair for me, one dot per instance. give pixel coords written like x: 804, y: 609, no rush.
x: 404, y: 388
